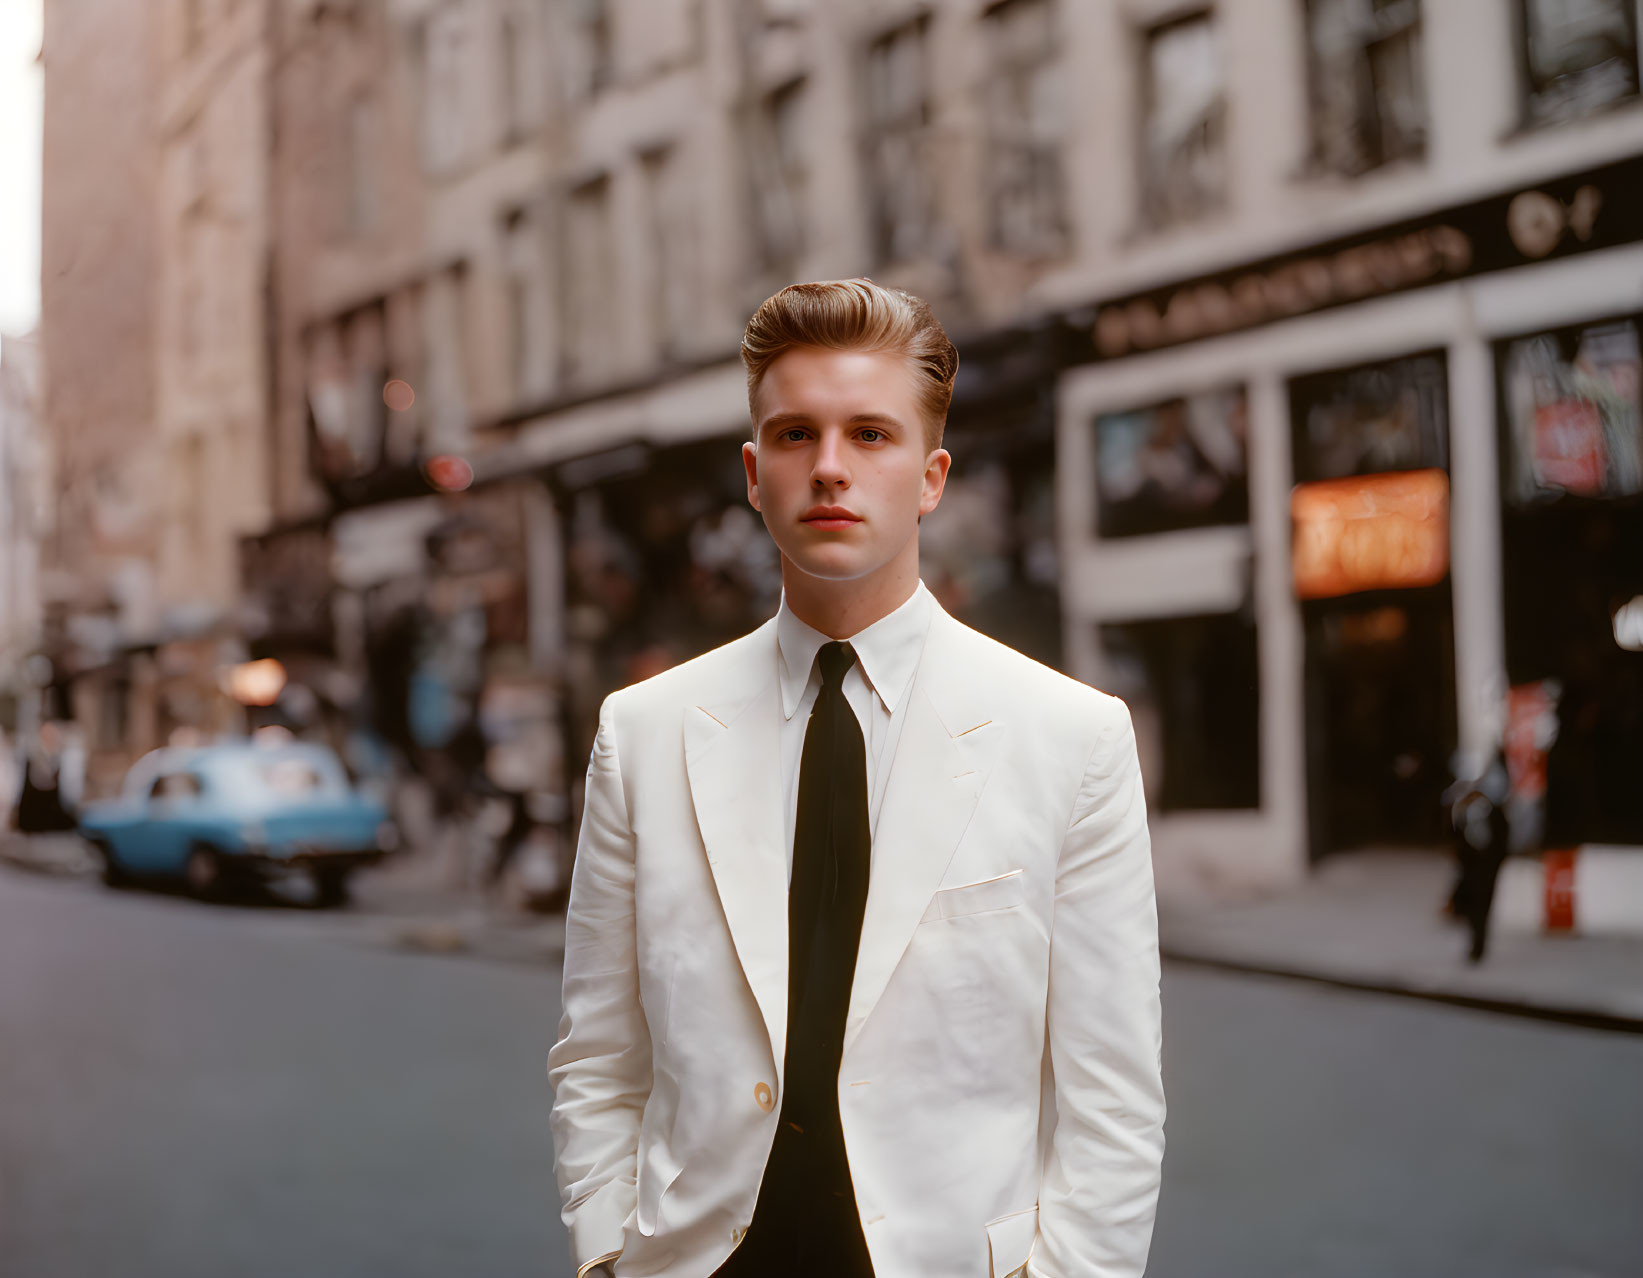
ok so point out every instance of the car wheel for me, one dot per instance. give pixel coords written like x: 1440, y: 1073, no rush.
x: 330, y: 888
x: 112, y: 872
x: 203, y: 872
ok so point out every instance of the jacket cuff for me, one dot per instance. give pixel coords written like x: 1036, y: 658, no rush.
x: 596, y: 1224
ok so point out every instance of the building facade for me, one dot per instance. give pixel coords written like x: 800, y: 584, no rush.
x: 1203, y: 262
x: 1299, y: 364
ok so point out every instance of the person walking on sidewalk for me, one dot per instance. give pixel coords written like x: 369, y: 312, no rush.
x: 861, y: 961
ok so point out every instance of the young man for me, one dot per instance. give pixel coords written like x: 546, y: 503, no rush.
x: 861, y: 965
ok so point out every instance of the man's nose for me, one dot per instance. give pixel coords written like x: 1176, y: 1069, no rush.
x: 831, y: 467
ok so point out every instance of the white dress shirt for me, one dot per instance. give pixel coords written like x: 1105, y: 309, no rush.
x: 876, y: 686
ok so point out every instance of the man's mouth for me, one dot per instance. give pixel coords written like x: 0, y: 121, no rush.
x: 830, y: 518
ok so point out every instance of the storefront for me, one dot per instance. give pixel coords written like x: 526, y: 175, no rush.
x: 1322, y: 513
x: 1572, y: 546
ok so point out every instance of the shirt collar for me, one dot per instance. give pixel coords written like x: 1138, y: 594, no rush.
x: 887, y: 651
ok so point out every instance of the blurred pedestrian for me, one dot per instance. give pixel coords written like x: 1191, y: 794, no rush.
x: 861, y: 961
x: 1481, y: 835
x: 46, y: 803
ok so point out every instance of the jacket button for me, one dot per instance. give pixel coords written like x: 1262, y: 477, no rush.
x: 761, y: 1094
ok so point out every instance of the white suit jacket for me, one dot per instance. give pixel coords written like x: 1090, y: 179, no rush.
x: 999, y: 1090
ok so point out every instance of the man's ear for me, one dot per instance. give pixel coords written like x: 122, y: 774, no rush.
x: 935, y: 480
x: 750, y: 461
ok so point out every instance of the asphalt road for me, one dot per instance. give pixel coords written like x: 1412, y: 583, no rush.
x: 238, y: 1093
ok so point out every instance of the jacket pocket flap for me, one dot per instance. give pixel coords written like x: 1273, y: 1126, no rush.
x: 658, y: 1169
x: 972, y: 898
x: 1010, y: 1241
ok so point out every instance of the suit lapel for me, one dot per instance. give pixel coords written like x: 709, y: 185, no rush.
x: 946, y: 753
x: 733, y: 759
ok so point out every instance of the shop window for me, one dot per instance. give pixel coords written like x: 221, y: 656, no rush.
x: 1025, y: 115
x: 1579, y: 56
x: 1184, y: 134
x: 1192, y: 685
x: 1177, y: 464
x: 1572, y: 560
x: 1364, y: 421
x: 900, y: 164
x: 1574, y: 413
x: 1367, y: 86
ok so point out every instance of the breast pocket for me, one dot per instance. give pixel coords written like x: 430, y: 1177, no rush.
x: 1002, y: 892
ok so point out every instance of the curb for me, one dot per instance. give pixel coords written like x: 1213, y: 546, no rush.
x: 1575, y: 1017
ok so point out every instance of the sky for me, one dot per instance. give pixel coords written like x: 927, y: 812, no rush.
x: 19, y: 165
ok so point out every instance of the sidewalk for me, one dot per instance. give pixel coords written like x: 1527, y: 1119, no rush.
x: 1374, y: 921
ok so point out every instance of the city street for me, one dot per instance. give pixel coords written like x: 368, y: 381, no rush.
x: 258, y: 1091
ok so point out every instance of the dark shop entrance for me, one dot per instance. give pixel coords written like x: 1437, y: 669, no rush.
x: 1380, y: 718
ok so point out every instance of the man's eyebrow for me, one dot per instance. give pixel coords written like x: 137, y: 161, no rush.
x: 780, y: 420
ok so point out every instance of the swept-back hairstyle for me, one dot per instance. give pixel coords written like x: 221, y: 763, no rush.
x: 856, y: 315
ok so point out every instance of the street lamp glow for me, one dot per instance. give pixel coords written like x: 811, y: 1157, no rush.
x: 255, y: 683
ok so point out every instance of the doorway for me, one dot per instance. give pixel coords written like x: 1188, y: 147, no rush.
x: 1380, y: 707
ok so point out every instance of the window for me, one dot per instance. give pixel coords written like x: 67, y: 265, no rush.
x: 520, y: 87
x: 779, y: 177
x: 445, y: 104
x: 1178, y: 464
x: 1574, y: 413
x: 589, y: 268
x: 900, y: 165
x: 1368, y: 90
x: 364, y: 143
x: 529, y: 339
x: 674, y: 249
x: 1183, y: 144
x: 1192, y: 685
x: 1572, y: 564
x: 176, y: 785
x: 589, y: 62
x: 1025, y: 196
x: 1364, y: 421
x: 1579, y: 56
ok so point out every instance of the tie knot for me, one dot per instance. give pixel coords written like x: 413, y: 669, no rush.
x: 835, y: 660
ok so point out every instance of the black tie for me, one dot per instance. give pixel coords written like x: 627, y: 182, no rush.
x: 806, y: 1222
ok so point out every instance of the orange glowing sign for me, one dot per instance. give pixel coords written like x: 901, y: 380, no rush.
x: 1370, y: 532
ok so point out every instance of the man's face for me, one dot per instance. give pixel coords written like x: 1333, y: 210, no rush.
x: 838, y: 466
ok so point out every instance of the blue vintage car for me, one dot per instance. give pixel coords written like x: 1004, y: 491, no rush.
x: 209, y: 814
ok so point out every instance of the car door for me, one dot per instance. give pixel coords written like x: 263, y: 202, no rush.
x: 160, y: 843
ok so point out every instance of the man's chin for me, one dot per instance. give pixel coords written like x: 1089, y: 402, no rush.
x: 824, y: 566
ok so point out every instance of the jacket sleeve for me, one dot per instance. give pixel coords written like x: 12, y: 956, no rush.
x: 601, y: 1066
x: 1100, y: 1183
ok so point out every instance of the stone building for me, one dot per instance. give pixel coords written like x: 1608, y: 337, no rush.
x: 99, y: 358
x: 25, y: 518
x: 1192, y: 253
x: 1299, y: 352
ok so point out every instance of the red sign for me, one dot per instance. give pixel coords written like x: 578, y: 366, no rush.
x: 1370, y: 532
x: 1569, y: 452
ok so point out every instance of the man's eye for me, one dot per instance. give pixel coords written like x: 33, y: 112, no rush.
x: 872, y: 435
x: 793, y: 434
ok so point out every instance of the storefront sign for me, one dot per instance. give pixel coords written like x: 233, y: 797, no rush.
x: 1576, y: 214
x: 1370, y: 532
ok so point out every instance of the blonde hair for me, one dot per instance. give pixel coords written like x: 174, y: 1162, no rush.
x: 856, y: 315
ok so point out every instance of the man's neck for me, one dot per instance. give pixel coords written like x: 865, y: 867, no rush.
x: 840, y: 609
